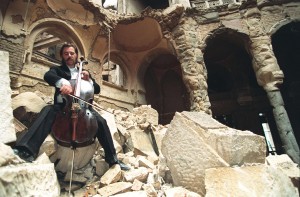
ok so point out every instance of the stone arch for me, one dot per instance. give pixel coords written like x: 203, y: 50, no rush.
x: 38, y: 45
x: 160, y: 77
x: 285, y: 41
x: 282, y: 23
x: 59, y: 28
x: 235, y: 96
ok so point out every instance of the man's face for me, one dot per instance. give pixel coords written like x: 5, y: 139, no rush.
x: 69, y: 56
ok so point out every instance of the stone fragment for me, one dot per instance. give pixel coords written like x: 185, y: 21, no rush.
x: 141, y: 143
x: 154, y: 180
x: 115, y: 188
x: 145, y: 112
x: 29, y: 180
x: 113, y: 175
x: 49, y: 146
x: 140, y: 174
x: 180, y: 191
x: 124, y: 134
x: 7, y: 130
x: 153, y: 159
x: 110, y: 119
x: 26, y: 106
x: 151, y: 192
x: 136, y: 185
x: 234, y: 146
x: 188, y: 155
x: 7, y: 156
x: 43, y: 159
x: 19, y: 127
x: 131, y: 161
x: 260, y: 180
x: 132, y: 194
x: 143, y: 162
x: 284, y: 162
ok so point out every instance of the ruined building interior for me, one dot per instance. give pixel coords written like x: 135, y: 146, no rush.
x: 233, y: 59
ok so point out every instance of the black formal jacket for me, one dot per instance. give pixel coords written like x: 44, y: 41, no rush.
x: 57, y: 72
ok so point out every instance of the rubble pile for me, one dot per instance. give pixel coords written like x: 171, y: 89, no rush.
x: 192, y: 156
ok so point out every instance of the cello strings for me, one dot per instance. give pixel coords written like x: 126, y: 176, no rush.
x: 93, y: 105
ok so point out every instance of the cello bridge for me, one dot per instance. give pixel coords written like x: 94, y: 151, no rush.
x: 75, y: 106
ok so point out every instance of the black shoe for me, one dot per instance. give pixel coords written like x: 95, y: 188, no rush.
x: 121, y: 164
x: 25, y: 155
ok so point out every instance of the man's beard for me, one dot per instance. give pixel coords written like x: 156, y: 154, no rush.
x: 65, y: 61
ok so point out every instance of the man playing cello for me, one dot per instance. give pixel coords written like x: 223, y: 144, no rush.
x: 27, y: 147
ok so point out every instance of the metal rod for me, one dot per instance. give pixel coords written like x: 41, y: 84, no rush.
x: 71, y: 176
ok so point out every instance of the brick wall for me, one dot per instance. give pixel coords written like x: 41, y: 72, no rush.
x: 16, y: 54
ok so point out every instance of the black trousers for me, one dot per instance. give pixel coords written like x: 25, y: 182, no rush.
x: 32, y: 140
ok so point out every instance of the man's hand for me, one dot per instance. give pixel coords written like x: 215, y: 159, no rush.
x: 85, y: 75
x: 66, y: 89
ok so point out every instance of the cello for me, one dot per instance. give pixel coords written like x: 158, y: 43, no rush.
x: 75, y: 125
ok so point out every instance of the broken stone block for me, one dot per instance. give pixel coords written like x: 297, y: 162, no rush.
x: 7, y: 156
x: 180, y: 191
x: 141, y: 143
x: 151, y: 192
x: 124, y: 134
x: 29, y: 180
x: 285, y: 163
x: 153, y: 159
x: 115, y: 188
x: 136, y: 185
x: 236, y: 147
x: 248, y: 181
x: 159, y: 135
x: 195, y: 141
x: 42, y: 159
x: 154, y: 180
x: 110, y: 119
x: 145, y: 112
x: 48, y: 146
x: 132, y: 194
x: 7, y: 130
x: 140, y: 174
x: 26, y: 106
x: 113, y: 175
x: 143, y: 162
x: 188, y: 155
x: 19, y: 128
x: 131, y: 160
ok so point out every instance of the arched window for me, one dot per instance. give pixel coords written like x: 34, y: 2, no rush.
x: 114, y: 73
x: 46, y: 38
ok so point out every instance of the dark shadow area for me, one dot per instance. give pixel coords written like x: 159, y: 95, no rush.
x: 165, y: 91
x: 236, y: 98
x: 286, y: 46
